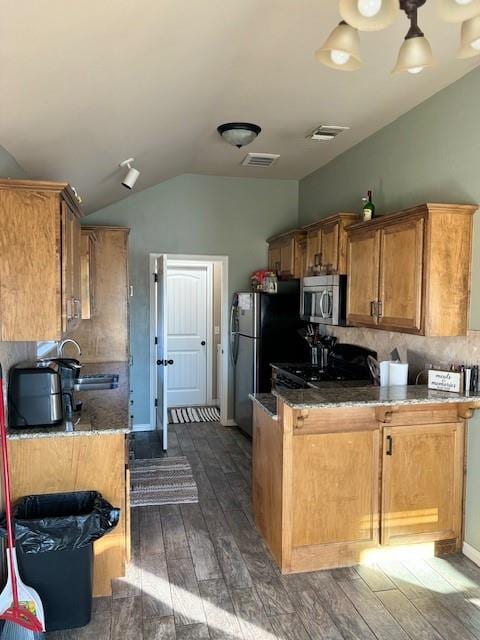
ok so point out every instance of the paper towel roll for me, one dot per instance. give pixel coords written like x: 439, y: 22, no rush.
x: 384, y: 373
x: 398, y: 374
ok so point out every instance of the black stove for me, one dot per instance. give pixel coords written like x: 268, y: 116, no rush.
x: 346, y: 363
x: 310, y: 373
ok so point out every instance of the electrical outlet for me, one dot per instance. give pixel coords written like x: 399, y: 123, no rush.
x: 216, y: 331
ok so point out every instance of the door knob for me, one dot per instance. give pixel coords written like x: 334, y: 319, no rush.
x: 203, y: 343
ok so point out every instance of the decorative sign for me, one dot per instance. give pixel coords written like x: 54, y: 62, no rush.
x: 445, y: 380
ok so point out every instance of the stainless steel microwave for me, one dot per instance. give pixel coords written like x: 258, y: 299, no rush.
x: 323, y: 299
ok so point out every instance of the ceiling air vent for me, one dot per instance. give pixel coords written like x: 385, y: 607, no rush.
x: 326, y: 132
x: 260, y: 159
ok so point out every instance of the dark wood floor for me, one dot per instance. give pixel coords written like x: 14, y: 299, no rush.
x: 202, y: 571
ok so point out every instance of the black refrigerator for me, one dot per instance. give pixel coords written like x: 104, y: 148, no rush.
x: 263, y: 329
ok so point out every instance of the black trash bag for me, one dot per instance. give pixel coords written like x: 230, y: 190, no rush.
x: 61, y: 521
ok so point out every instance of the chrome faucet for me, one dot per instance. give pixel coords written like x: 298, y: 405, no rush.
x: 66, y: 341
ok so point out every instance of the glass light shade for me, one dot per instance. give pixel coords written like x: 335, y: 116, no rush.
x: 454, y: 11
x: 415, y: 54
x: 470, y: 38
x: 353, y: 13
x: 239, y: 134
x: 342, y: 42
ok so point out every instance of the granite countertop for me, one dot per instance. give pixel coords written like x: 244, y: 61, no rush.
x: 341, y: 396
x: 267, y: 402
x: 103, y: 412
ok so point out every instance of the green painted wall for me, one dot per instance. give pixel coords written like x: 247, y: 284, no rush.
x: 194, y: 214
x: 431, y: 153
x: 9, y: 167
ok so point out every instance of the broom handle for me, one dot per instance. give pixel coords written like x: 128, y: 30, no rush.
x: 6, y: 487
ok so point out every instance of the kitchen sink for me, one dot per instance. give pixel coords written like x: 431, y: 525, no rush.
x: 96, y: 382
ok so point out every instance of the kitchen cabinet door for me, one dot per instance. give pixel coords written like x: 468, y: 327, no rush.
x: 335, y: 488
x: 88, y: 274
x: 71, y: 269
x: 287, y: 258
x: 363, y: 272
x: 274, y: 258
x: 422, y: 483
x: 329, y: 247
x: 313, y: 257
x: 401, y: 273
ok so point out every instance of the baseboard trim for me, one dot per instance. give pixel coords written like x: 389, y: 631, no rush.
x: 471, y: 553
x: 229, y: 423
x: 142, y: 427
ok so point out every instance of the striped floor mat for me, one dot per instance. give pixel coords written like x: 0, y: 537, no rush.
x: 182, y: 415
x: 158, y: 481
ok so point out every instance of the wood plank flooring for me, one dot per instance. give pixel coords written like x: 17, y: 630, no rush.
x: 203, y: 572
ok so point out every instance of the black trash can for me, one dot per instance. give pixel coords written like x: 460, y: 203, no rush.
x: 54, y: 541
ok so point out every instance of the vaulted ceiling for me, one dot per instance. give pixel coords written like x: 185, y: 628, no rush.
x: 87, y: 84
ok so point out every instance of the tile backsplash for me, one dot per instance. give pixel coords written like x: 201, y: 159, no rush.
x: 418, y: 351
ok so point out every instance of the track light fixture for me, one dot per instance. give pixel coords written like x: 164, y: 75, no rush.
x: 342, y: 48
x: 132, y: 173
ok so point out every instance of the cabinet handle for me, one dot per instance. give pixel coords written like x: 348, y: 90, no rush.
x: 76, y: 308
x: 373, y: 312
x: 389, y: 451
x: 278, y: 266
x: 379, y: 309
x: 317, y: 259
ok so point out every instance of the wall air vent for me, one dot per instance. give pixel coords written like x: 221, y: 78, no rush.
x: 326, y: 132
x: 260, y: 159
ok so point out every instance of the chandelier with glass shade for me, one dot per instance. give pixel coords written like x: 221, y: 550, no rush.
x: 341, y: 50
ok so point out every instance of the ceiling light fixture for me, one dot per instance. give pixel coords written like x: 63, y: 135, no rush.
x: 239, y: 134
x: 470, y: 38
x: 415, y: 53
x: 458, y: 10
x: 341, y: 50
x: 369, y: 15
x: 132, y: 173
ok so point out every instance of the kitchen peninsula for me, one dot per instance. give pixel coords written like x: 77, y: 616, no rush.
x: 341, y: 474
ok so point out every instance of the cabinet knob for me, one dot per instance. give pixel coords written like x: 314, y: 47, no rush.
x: 203, y: 343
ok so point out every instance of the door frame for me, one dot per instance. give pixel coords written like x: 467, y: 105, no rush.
x: 224, y: 373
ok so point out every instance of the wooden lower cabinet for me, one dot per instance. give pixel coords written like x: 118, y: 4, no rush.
x: 80, y: 463
x: 335, y: 488
x: 422, y: 483
x: 332, y: 487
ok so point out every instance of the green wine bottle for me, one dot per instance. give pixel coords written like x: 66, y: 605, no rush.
x: 368, y: 207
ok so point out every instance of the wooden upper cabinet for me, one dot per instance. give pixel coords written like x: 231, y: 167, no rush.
x: 362, y: 292
x: 327, y: 244
x: 88, y: 240
x: 286, y: 254
x: 422, y: 483
x: 104, y: 337
x: 401, y: 275
x: 423, y: 258
x: 39, y: 260
x: 71, y: 269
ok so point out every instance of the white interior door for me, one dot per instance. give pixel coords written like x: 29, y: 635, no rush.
x: 187, y: 335
x: 162, y: 360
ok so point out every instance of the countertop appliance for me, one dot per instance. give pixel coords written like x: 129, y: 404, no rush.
x: 263, y: 328
x: 346, y: 363
x: 323, y: 299
x: 34, y: 396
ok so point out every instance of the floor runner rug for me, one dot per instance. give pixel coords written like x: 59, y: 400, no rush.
x: 158, y: 481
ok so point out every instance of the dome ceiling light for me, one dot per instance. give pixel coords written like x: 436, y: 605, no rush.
x: 341, y: 50
x: 239, y: 134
